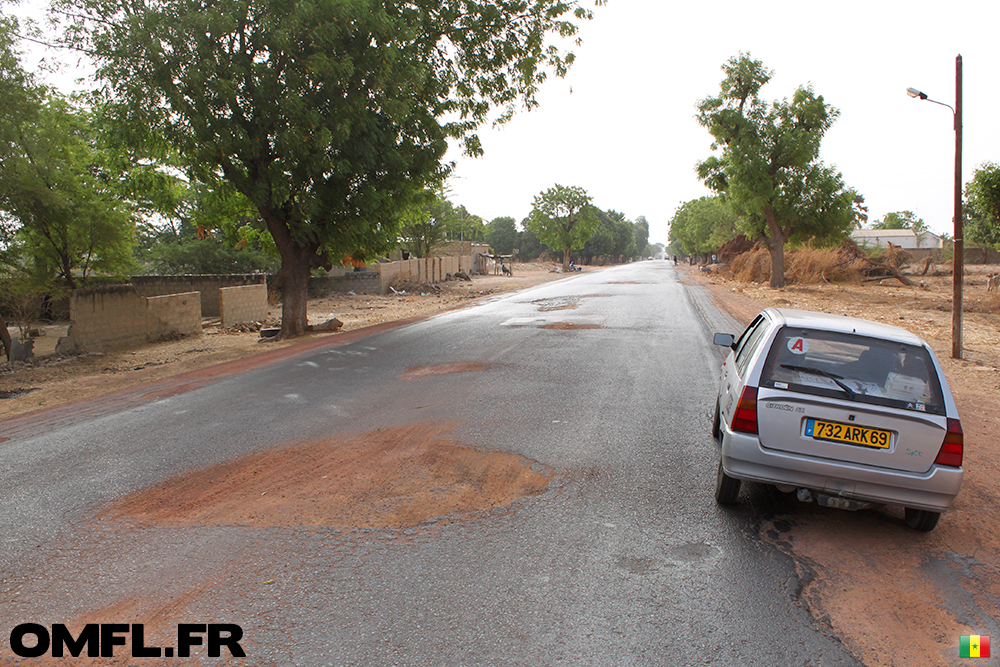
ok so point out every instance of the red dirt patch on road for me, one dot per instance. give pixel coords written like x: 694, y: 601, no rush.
x: 389, y: 478
x: 570, y: 325
x: 417, y: 372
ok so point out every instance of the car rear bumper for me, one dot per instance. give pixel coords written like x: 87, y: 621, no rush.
x: 744, y: 458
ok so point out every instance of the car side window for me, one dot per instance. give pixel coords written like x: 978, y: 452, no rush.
x: 749, y: 342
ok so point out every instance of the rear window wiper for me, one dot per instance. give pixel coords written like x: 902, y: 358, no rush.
x: 819, y: 371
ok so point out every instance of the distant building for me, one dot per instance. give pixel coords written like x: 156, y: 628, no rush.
x: 901, y: 238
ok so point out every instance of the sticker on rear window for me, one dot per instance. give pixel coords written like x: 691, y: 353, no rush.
x: 798, y: 345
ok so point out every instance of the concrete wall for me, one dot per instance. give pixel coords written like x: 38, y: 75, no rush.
x: 247, y: 303
x: 429, y: 270
x: 173, y: 314
x: 116, y: 317
x: 208, y: 285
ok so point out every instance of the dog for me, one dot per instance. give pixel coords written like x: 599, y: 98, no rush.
x: 992, y: 282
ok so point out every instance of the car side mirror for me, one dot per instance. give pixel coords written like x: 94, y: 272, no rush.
x: 725, y: 340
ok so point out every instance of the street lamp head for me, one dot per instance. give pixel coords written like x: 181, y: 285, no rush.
x: 913, y: 92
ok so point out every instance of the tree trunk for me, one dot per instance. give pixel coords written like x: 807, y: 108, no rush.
x: 297, y: 263
x: 5, y: 339
x: 566, y: 253
x: 293, y: 279
x: 776, y: 247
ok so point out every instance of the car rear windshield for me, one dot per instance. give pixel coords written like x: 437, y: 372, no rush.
x: 867, y: 370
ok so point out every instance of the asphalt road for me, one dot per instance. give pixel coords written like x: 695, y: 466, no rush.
x: 625, y: 560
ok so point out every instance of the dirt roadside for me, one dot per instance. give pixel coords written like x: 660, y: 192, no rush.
x: 49, y: 381
x: 894, y: 596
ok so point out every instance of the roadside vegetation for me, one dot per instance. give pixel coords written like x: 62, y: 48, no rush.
x: 285, y: 139
x: 777, y: 202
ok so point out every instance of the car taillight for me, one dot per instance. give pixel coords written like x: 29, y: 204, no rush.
x: 745, y: 417
x: 951, y: 448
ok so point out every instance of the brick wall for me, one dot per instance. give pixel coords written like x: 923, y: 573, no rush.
x: 208, y: 285
x: 116, y: 316
x: 172, y: 314
x: 247, y: 303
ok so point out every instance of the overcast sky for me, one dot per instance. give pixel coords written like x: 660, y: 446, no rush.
x: 621, y: 124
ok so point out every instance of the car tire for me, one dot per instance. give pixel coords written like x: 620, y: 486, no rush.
x: 727, y: 489
x: 717, y: 423
x: 922, y: 520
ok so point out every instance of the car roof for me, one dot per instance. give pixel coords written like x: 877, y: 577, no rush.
x: 828, y: 322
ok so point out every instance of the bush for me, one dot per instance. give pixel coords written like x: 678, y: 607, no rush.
x: 802, y: 265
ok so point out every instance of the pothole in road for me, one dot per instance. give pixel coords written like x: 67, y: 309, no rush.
x: 390, y: 478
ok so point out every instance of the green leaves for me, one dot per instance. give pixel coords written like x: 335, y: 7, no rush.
x: 982, y: 209
x: 330, y: 116
x: 58, y: 193
x: 702, y: 225
x: 563, y: 217
x: 767, y: 168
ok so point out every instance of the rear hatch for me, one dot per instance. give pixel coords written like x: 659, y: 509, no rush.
x: 849, y: 432
x: 856, y: 399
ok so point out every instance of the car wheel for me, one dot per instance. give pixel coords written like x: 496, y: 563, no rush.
x: 717, y: 423
x: 921, y: 520
x: 727, y: 489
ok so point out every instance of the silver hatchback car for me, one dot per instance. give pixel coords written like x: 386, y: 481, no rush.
x: 845, y: 412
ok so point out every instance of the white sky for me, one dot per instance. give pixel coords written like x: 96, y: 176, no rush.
x: 621, y: 125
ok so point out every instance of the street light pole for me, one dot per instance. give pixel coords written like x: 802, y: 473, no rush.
x: 959, y: 259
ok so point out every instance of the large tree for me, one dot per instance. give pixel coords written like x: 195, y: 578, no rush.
x: 331, y: 116
x: 702, y: 225
x: 768, y: 168
x: 563, y: 218
x: 501, y: 234
x: 425, y: 225
x: 58, y: 203
x: 53, y: 182
x: 641, y: 231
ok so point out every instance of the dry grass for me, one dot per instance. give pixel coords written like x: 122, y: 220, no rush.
x: 804, y: 266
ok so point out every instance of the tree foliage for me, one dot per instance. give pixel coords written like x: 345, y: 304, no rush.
x: 330, y: 116
x: 901, y: 220
x: 501, y: 234
x: 464, y: 226
x: 701, y: 226
x: 528, y: 246
x: 641, y: 231
x: 425, y: 225
x: 613, y: 240
x: 57, y: 193
x: 768, y: 169
x: 982, y: 206
x: 563, y: 218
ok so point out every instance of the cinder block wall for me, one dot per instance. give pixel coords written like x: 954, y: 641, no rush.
x: 208, y: 285
x: 173, y: 314
x: 116, y: 317
x: 243, y: 304
x: 107, y: 318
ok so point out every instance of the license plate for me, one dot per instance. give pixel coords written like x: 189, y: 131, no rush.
x: 852, y: 435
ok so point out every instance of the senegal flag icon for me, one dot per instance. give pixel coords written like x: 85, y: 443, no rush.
x: 974, y: 646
